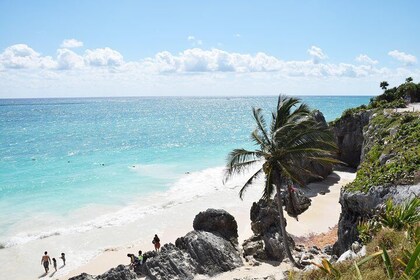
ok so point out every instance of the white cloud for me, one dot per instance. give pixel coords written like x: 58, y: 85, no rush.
x: 22, y: 56
x: 194, y: 41
x: 363, y: 58
x: 317, y: 54
x: 103, y: 57
x: 403, y: 57
x: 71, y: 43
x: 194, y: 70
x: 68, y: 59
x: 237, y: 35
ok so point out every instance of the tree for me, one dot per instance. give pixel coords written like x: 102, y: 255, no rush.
x: 294, y: 137
x: 409, y: 80
x: 384, y: 85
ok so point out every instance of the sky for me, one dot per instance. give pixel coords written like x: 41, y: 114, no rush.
x: 205, y: 48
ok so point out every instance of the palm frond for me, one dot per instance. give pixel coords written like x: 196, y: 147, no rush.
x: 261, y: 124
x: 268, y: 188
x: 249, y: 182
x: 240, y: 160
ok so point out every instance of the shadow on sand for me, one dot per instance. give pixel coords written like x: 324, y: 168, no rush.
x: 42, y: 275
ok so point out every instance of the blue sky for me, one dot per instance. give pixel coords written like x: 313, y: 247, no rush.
x: 120, y: 48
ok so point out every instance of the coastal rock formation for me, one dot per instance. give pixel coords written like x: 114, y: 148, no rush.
x: 210, y: 250
x: 348, y: 132
x: 266, y: 243
x: 358, y: 205
x: 218, y: 222
x: 321, y: 170
x: 120, y: 272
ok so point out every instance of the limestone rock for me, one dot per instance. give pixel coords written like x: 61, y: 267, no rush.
x: 218, y: 222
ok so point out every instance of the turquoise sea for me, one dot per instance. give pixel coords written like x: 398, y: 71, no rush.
x: 58, y: 156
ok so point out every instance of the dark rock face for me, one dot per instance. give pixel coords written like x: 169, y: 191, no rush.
x: 218, y: 222
x: 356, y: 206
x: 213, y: 254
x: 267, y: 242
x: 120, y: 272
x: 321, y: 170
x: 171, y: 263
x: 348, y: 132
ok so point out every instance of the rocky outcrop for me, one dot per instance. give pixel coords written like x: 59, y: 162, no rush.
x: 209, y: 251
x: 356, y: 206
x: 218, y: 222
x: 348, y: 132
x: 120, y: 272
x: 321, y: 170
x: 266, y: 243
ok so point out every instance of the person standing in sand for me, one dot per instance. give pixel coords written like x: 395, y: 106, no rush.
x: 156, y: 242
x: 55, y: 264
x: 46, y: 261
x: 63, y: 257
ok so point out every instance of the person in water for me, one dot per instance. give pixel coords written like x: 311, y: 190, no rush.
x: 54, y: 263
x: 63, y: 257
x: 46, y: 261
x: 156, y: 242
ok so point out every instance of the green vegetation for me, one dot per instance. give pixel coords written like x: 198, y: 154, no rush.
x: 395, y: 97
x: 293, y: 138
x: 394, y: 156
x: 393, y: 253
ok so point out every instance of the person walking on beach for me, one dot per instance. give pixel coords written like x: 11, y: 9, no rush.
x: 156, y: 242
x: 63, y: 257
x: 54, y: 263
x: 46, y: 261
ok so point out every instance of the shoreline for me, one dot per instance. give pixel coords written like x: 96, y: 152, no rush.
x: 181, y: 217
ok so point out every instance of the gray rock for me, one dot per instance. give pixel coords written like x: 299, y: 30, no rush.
x: 212, y: 253
x: 120, y: 272
x: 356, y: 206
x: 328, y: 249
x: 218, y: 222
x: 267, y: 242
x: 348, y: 132
x: 347, y: 255
x: 314, y: 250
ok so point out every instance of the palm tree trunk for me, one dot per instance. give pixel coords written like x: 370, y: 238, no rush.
x: 283, y: 227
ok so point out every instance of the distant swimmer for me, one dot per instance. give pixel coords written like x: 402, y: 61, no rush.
x: 46, y: 261
x: 63, y: 257
x: 156, y: 242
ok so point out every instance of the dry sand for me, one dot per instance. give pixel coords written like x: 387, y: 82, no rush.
x: 177, y: 221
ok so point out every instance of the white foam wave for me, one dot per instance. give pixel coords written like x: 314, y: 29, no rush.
x: 187, y: 188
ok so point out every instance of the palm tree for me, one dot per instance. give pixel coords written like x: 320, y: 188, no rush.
x: 294, y: 137
x: 384, y: 85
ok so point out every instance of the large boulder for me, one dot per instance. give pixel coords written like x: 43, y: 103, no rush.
x: 120, y: 272
x: 218, y: 222
x: 170, y: 263
x: 213, y: 253
x: 348, y: 132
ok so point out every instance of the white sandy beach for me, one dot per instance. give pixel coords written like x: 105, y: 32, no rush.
x: 176, y: 220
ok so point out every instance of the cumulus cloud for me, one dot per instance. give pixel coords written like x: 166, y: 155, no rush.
x: 103, y: 57
x: 317, y: 54
x: 363, y: 58
x: 22, y: 56
x: 194, y: 41
x: 71, y: 43
x: 67, y: 59
x: 403, y: 57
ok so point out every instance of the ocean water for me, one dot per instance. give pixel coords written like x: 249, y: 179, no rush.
x: 69, y: 167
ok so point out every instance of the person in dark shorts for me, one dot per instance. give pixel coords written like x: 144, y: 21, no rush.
x: 54, y: 263
x: 156, y: 242
x: 46, y: 261
x: 63, y: 257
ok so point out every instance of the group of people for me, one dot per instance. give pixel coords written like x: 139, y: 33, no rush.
x: 137, y: 261
x: 46, y: 261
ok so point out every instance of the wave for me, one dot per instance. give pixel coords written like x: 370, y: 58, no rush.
x: 187, y: 188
